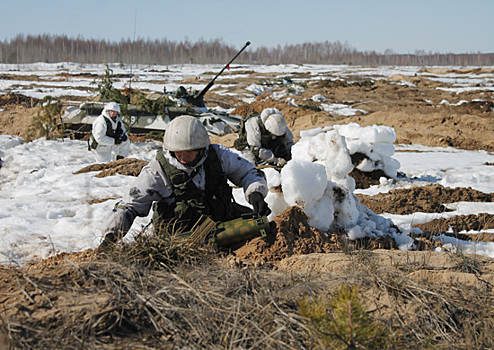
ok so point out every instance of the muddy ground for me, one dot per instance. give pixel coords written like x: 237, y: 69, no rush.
x: 35, y: 296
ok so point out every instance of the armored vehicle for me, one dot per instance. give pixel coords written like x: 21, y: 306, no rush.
x: 80, y: 118
x: 156, y: 111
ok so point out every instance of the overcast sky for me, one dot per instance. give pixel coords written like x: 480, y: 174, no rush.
x: 445, y: 26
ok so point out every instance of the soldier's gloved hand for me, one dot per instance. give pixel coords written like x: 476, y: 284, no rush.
x: 123, y: 138
x: 260, y: 207
x: 118, y: 140
x: 280, y: 162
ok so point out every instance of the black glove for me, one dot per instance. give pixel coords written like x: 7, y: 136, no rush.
x: 123, y: 137
x: 118, y: 140
x: 260, y: 207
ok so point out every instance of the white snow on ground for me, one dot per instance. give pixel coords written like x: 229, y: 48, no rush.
x: 172, y: 74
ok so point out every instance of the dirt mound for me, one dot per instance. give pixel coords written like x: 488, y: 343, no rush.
x: 460, y: 223
x: 426, y: 199
x: 481, y: 237
x: 11, y: 100
x: 473, y: 107
x: 431, y: 128
x: 431, y: 199
x: 367, y: 179
x: 126, y: 166
x: 17, y: 120
x: 294, y: 236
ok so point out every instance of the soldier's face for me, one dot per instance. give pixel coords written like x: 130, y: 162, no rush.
x: 186, y: 157
x: 112, y: 114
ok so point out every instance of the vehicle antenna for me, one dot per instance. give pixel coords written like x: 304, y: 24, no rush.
x: 198, y: 99
x: 132, y: 54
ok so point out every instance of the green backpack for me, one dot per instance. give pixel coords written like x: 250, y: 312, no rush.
x: 241, y: 141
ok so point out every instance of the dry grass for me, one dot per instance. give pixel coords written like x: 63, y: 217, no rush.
x: 191, y: 299
x: 202, y: 307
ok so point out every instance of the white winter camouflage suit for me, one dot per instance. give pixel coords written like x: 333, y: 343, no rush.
x: 254, y: 138
x: 152, y: 185
x: 107, y: 150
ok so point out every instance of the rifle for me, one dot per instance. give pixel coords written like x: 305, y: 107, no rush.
x: 264, y: 166
x: 198, y: 100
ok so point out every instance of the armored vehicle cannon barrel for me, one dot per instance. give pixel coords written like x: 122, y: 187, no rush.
x: 198, y: 100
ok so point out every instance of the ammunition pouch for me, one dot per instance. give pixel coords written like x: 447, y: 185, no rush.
x: 239, y: 230
x: 228, y: 233
x: 240, y: 143
x: 91, y: 143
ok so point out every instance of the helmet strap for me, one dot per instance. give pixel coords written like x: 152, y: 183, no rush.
x: 197, y: 159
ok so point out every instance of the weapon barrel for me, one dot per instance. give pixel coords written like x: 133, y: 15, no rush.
x: 210, y: 84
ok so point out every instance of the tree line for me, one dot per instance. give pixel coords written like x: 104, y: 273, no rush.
x: 61, y: 48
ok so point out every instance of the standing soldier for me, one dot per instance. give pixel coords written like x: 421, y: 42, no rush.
x: 187, y: 179
x: 109, y: 139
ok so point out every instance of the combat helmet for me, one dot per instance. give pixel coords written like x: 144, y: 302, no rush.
x: 113, y: 106
x: 185, y: 133
x: 275, y: 124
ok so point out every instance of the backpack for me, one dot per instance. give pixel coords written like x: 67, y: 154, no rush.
x: 241, y: 141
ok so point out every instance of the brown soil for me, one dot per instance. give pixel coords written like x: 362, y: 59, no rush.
x: 17, y: 120
x: 16, y: 100
x: 126, y: 166
x: 427, y: 199
x: 482, y: 236
x: 293, y: 236
x: 460, y: 223
x: 367, y: 179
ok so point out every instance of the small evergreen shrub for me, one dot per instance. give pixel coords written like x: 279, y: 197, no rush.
x: 342, y: 323
x: 46, y: 123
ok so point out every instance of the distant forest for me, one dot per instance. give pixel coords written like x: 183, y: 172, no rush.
x: 60, y: 48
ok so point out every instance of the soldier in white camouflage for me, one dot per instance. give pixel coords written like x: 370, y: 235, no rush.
x: 266, y: 138
x: 109, y: 139
x: 188, y: 178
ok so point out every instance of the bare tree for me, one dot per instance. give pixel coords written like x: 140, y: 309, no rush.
x: 60, y: 48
